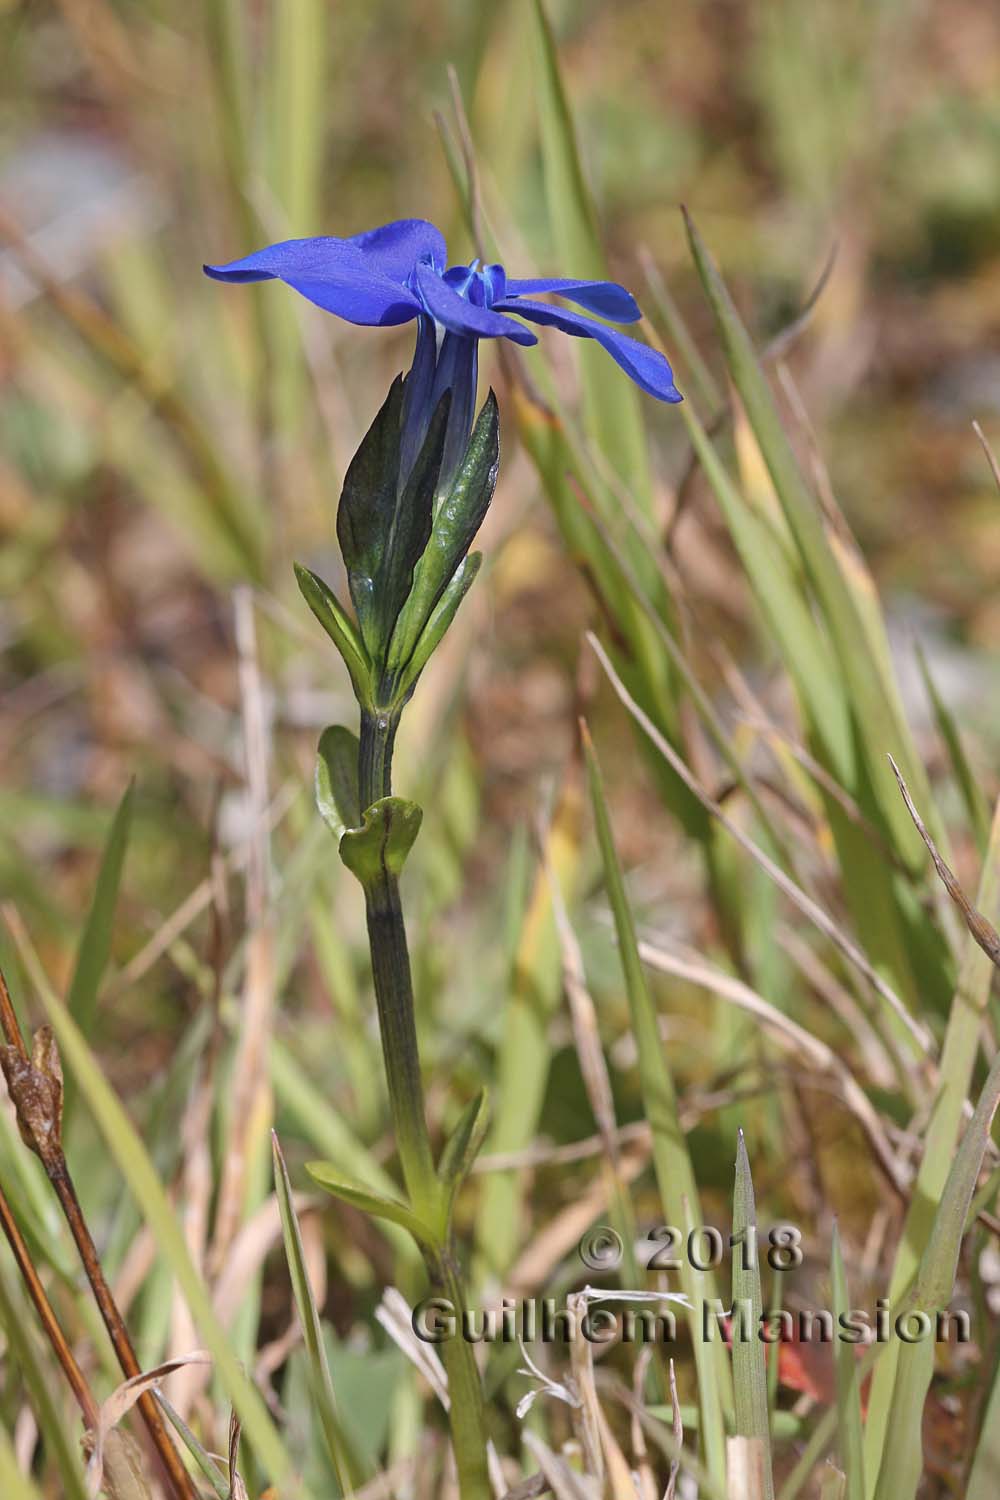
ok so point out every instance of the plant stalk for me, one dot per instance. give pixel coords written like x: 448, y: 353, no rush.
x: 390, y: 961
x: 39, y: 1117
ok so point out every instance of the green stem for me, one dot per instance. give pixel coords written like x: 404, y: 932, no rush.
x: 394, y: 994
x: 393, y: 986
x: 467, y: 1414
x: 378, y: 737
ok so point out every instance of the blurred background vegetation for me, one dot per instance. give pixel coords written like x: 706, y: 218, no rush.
x: 169, y: 448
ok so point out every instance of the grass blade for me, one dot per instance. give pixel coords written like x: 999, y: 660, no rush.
x: 203, y: 1459
x: 345, y: 1465
x: 52, y: 1424
x: 848, y: 1384
x: 902, y: 1459
x: 13, y: 1484
x: 672, y: 1162
x: 875, y: 714
x: 976, y: 807
x: 958, y: 1056
x: 749, y: 1370
x: 525, y: 1048
x: 94, y: 948
x: 611, y: 404
x: 984, y: 1477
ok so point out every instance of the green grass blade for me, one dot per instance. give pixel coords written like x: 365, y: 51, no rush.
x: 319, y: 1123
x: 206, y: 1463
x: 39, y: 1380
x: 874, y: 709
x: 345, y: 1464
x: 984, y: 1476
x: 644, y: 663
x: 790, y: 623
x: 13, y: 1484
x: 848, y: 1383
x: 611, y: 404
x: 295, y: 157
x: 749, y: 1371
x: 525, y: 1046
x: 976, y: 807
x: 679, y: 337
x: 94, y: 948
x: 902, y: 1457
x: 672, y: 1162
x: 958, y: 1056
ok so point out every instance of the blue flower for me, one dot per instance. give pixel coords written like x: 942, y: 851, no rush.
x: 399, y: 273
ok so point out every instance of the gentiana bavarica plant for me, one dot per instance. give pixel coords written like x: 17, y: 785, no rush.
x: 414, y: 497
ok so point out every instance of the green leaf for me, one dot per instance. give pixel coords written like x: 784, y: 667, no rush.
x: 337, y: 780
x: 377, y: 1205
x: 367, y: 508
x: 385, y: 837
x: 848, y: 1382
x: 749, y: 1370
x: 328, y: 610
x: 95, y: 941
x: 382, y: 530
x: 345, y: 1465
x: 462, y: 1146
x: 441, y: 617
x: 458, y: 517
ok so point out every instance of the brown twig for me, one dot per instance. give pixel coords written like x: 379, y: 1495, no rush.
x: 991, y: 457
x: 8, y: 1020
x: 35, y: 1087
x: 61, y: 1349
x: 983, y: 932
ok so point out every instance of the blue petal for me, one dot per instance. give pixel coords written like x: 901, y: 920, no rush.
x: 373, y: 301
x: 459, y: 316
x: 313, y: 259
x: 457, y: 371
x: 335, y: 274
x: 606, y: 298
x: 645, y: 366
x: 394, y: 249
x: 495, y: 278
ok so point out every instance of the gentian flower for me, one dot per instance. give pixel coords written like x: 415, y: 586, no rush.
x: 399, y: 273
